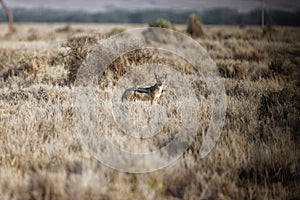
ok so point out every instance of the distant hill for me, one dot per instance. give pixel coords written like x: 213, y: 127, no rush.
x: 215, y: 16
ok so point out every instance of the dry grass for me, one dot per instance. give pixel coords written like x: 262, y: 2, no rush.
x: 257, y: 156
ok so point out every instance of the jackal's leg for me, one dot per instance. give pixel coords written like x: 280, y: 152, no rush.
x: 132, y: 97
x: 153, y: 100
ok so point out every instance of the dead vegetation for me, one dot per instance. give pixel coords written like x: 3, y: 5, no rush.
x: 78, y: 48
x: 195, y: 27
x: 257, y: 156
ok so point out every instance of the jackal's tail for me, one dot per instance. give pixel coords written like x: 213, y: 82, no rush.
x: 127, y: 93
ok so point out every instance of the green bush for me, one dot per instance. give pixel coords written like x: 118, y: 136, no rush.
x: 115, y: 31
x: 162, y: 23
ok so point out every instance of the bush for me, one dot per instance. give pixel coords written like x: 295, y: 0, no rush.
x: 78, y: 48
x: 64, y: 29
x: 269, y: 31
x: 282, y: 108
x: 195, y: 26
x: 115, y: 31
x: 162, y: 23
x: 232, y: 69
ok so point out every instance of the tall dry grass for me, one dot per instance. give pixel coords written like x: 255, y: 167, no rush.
x: 257, y: 156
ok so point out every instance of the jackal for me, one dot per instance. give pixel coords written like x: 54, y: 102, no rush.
x: 151, y: 93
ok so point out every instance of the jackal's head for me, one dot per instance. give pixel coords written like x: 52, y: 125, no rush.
x: 160, y: 80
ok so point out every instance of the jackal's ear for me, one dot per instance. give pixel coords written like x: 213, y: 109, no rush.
x: 155, y: 76
x: 165, y: 76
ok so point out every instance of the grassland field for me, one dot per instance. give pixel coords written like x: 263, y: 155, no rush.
x: 257, y: 156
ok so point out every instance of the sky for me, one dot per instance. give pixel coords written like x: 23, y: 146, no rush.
x: 199, y: 5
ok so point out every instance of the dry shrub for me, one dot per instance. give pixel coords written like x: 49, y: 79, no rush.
x: 133, y: 58
x: 16, y: 71
x: 215, y: 49
x: 238, y: 33
x: 276, y: 65
x: 260, y: 72
x: 242, y: 50
x: 284, y: 65
x: 251, y: 33
x: 177, y: 185
x: 31, y: 65
x: 281, y: 106
x: 39, y: 95
x: 46, y: 67
x: 279, y: 113
x: 44, y: 186
x: 250, y: 55
x: 162, y: 23
x: 272, y: 33
x: 283, y: 60
x: 115, y: 31
x: 269, y: 31
x: 78, y: 48
x: 238, y: 91
x: 195, y: 27
x: 27, y: 65
x: 232, y: 69
x: 127, y: 62
x: 33, y: 35
x: 8, y: 58
x: 66, y: 28
x: 139, y: 57
x: 74, y: 168
x: 19, y: 63
x: 14, y: 96
x: 243, y: 69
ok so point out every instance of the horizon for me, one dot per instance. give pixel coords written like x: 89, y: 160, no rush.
x: 152, y: 9
x: 93, y: 6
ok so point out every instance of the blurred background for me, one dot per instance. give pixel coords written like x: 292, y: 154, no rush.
x: 231, y: 12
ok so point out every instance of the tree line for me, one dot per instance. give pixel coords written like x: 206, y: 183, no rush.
x: 215, y: 16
